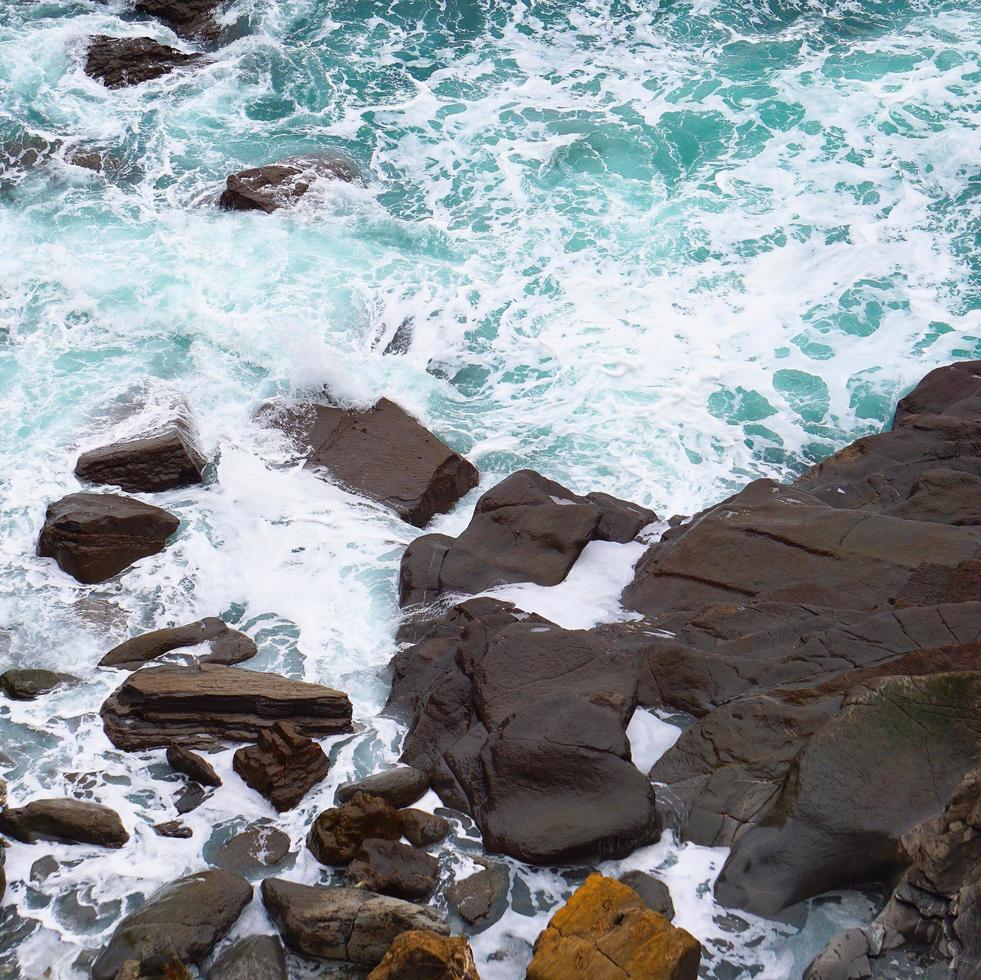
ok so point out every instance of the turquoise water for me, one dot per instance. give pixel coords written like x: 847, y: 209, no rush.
x: 650, y: 248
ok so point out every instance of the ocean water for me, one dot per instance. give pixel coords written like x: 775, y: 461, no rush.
x: 652, y: 248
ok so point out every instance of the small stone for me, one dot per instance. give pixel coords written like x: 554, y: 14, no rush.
x: 283, y: 766
x: 423, y: 829
x: 172, y: 828
x: 44, y: 867
x: 399, y: 787
x: 191, y: 764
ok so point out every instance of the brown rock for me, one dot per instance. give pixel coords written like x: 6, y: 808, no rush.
x: 392, y: 868
x: 399, y: 787
x: 94, y: 536
x: 157, y: 706
x: 254, y: 958
x: 383, y: 453
x: 279, y: 185
x: 189, y: 18
x: 25, y: 684
x: 65, y: 820
x: 337, y: 834
x: 172, y: 828
x: 191, y: 764
x: 423, y: 829
x: 605, y: 932
x: 283, y: 766
x: 121, y: 61
x: 424, y: 955
x: 228, y: 646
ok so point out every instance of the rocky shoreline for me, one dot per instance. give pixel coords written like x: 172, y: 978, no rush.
x: 825, y: 638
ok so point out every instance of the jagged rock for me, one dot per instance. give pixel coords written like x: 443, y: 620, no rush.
x: 253, y: 851
x: 654, y: 893
x: 182, y: 921
x: 94, y: 536
x: 605, y: 931
x: 620, y: 520
x: 192, y: 705
x: 23, y: 684
x: 423, y: 829
x: 342, y: 923
x: 337, y: 834
x: 164, y: 460
x: 65, y: 820
x: 391, y: 868
x: 121, y: 61
x: 480, y: 899
x: 189, y: 18
x: 172, y: 828
x: 255, y: 958
x: 228, y: 646
x: 398, y: 787
x: 281, y: 185
x: 425, y: 955
x: 954, y: 389
x: 382, y: 453
x: 191, y: 796
x: 283, y: 766
x: 191, y: 764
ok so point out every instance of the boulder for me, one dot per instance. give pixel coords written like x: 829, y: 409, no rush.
x: 118, y: 62
x: 654, y: 893
x: 188, y: 18
x: 480, y: 899
x: 26, y: 684
x: 281, y: 185
x: 95, y: 536
x: 227, y: 646
x: 253, y: 851
x: 191, y: 764
x: 254, y: 958
x: 194, y: 705
x: 181, y: 922
x: 382, y: 453
x: 391, y: 868
x: 425, y: 955
x: 283, y: 766
x: 337, y: 834
x: 190, y: 797
x: 605, y: 932
x: 349, y: 924
x: 65, y: 820
x: 398, y: 787
x: 164, y: 460
x: 423, y: 829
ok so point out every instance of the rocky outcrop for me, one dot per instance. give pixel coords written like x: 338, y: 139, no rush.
x: 397, y: 787
x: 190, y: 18
x: 191, y: 764
x: 227, y: 646
x: 26, y: 684
x: 255, y: 958
x: 95, y: 536
x: 164, y: 460
x: 64, y: 820
x: 180, y: 923
x: 118, y: 62
x: 349, y: 924
x: 480, y: 899
x: 283, y: 766
x: 606, y: 932
x: 392, y: 868
x: 423, y: 829
x: 281, y: 185
x: 382, y: 453
x: 337, y: 834
x: 425, y: 955
x: 195, y: 705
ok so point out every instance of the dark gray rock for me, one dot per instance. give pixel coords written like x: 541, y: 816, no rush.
x: 227, y: 646
x: 189, y: 18
x: 253, y: 851
x: 26, y: 684
x: 398, y: 787
x: 655, y: 893
x: 173, y: 828
x: 620, y: 520
x: 44, y: 867
x: 192, y: 765
x: 392, y: 868
x: 190, y: 797
x: 423, y: 829
x: 255, y: 958
x: 65, y: 820
x: 481, y: 898
x: 118, y: 62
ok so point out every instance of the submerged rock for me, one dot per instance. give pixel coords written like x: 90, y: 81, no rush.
x: 382, y: 453
x: 195, y: 705
x: 283, y: 766
x: 253, y: 851
x: 164, y: 460
x: 191, y: 764
x: 342, y: 923
x: 118, y: 62
x: 26, y: 684
x: 397, y: 787
x: 392, y: 868
x: 228, y: 646
x: 65, y: 820
x: 337, y: 834
x: 95, y: 536
x: 606, y: 931
x: 426, y: 955
x: 280, y: 185
x: 180, y: 923
x: 255, y: 958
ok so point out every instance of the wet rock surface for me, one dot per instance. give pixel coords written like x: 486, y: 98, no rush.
x: 95, y: 536
x: 281, y: 185
x: 425, y: 955
x: 423, y: 829
x: 119, y: 62
x: 65, y: 820
x: 396, y: 869
x: 189, y: 18
x: 480, y: 899
x: 26, y: 684
x: 397, y: 787
x: 227, y: 646
x: 283, y: 766
x: 383, y: 453
x: 337, y: 834
x: 653, y: 892
x: 191, y: 764
x: 253, y: 851
x: 254, y: 958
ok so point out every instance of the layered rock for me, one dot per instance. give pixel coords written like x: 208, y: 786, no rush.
x: 64, y: 820
x: 392, y: 868
x: 605, y: 932
x: 118, y: 62
x: 227, y: 646
x: 95, y: 536
x: 195, y: 705
x: 349, y: 924
x: 337, y: 834
x: 382, y: 453
x: 179, y: 924
x: 163, y: 460
x: 283, y: 766
x: 425, y: 955
x: 281, y: 185
x: 397, y: 787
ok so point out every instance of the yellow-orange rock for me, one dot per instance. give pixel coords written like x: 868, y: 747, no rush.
x: 605, y: 932
x: 423, y: 955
